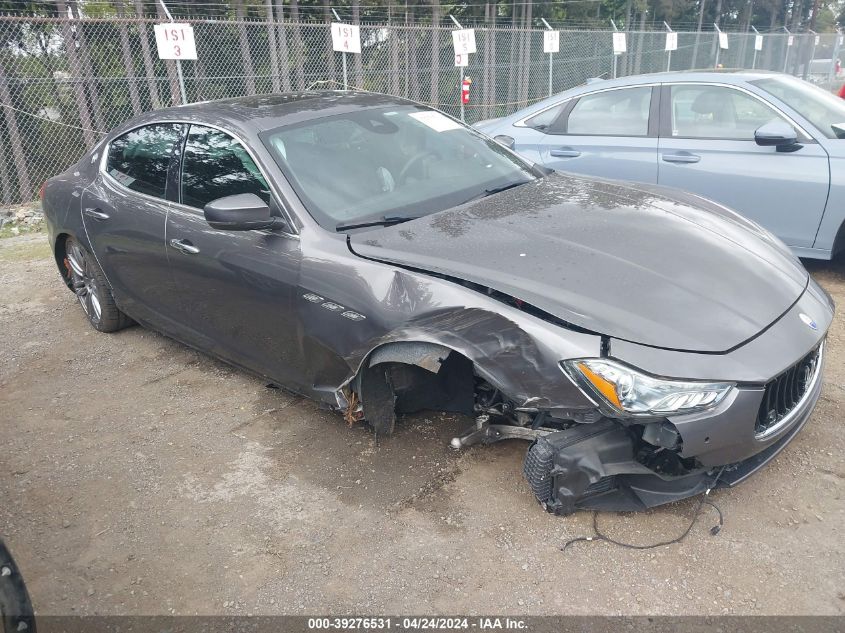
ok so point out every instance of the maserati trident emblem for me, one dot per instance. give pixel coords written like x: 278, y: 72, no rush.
x: 808, y: 321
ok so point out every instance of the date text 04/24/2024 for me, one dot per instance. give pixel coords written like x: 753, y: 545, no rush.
x: 416, y: 623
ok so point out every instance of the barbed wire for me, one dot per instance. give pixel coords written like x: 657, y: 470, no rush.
x: 385, y: 13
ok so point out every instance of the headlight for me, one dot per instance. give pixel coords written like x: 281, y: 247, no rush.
x: 627, y: 391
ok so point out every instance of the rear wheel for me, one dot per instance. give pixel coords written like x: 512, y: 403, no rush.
x: 92, y: 289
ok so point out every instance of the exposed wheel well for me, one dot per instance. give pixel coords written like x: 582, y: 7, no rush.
x: 60, y: 253
x: 405, y: 377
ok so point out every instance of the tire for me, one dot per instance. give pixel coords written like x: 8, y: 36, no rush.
x: 16, y: 612
x: 92, y: 289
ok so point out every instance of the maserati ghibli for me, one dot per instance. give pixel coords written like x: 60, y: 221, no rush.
x: 382, y: 258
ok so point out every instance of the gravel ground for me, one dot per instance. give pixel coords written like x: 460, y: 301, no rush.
x: 141, y: 477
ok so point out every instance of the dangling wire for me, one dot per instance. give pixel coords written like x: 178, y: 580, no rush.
x: 600, y: 536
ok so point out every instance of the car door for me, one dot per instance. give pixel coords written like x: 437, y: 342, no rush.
x: 707, y: 147
x: 608, y: 133
x: 124, y: 214
x: 530, y: 136
x: 236, y: 288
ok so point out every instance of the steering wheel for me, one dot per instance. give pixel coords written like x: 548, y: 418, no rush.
x: 412, y: 161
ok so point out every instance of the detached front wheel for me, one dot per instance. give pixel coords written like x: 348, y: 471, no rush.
x: 92, y: 290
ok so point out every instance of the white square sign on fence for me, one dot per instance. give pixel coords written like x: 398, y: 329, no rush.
x: 175, y: 41
x: 461, y: 60
x: 346, y: 38
x: 723, y: 40
x: 551, y: 41
x: 464, y: 41
x: 758, y: 42
x: 619, y: 45
x: 672, y: 41
x: 818, y: 39
x: 789, y: 40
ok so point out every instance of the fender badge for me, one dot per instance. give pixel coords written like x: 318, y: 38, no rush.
x: 808, y: 321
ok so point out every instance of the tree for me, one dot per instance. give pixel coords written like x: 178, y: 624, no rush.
x: 246, y: 54
x: 128, y: 63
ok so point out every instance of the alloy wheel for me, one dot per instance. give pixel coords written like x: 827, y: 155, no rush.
x: 84, y: 284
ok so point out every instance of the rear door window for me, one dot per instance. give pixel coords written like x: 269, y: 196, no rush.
x: 139, y: 159
x: 622, y: 112
x: 215, y: 165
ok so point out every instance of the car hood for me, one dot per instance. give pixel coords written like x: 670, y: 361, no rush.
x: 487, y: 124
x: 642, y: 263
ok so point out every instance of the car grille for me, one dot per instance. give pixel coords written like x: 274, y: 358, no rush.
x: 785, y: 391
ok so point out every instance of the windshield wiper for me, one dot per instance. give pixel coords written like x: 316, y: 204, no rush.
x: 495, y: 190
x: 383, y: 221
x: 490, y: 192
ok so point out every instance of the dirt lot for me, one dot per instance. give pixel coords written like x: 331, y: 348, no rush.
x: 138, y: 477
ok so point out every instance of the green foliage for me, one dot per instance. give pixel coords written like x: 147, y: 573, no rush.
x: 681, y: 14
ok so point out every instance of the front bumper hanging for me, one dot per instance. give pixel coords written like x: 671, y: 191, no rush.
x: 593, y: 466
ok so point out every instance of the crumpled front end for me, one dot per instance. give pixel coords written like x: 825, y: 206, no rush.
x: 479, y: 350
x: 611, y: 466
x: 631, y: 464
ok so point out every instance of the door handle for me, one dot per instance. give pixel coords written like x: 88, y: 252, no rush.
x: 682, y: 157
x: 565, y: 152
x: 184, y: 246
x: 96, y: 214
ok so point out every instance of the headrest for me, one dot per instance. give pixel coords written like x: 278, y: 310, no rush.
x: 708, y: 102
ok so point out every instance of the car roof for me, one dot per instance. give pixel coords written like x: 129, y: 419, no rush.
x: 728, y: 75
x: 257, y: 113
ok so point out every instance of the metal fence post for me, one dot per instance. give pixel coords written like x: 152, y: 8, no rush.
x: 343, y: 54
x: 695, y: 46
x: 16, y: 140
x: 550, y: 57
x: 460, y: 72
x: 718, y: 51
x: 809, y: 60
x: 178, y: 61
x: 668, y: 52
x: 754, y: 58
x: 613, y: 52
x: 787, y: 47
x: 837, y: 42
x: 718, y: 44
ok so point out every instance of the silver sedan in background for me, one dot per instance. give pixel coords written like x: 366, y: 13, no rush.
x: 767, y: 145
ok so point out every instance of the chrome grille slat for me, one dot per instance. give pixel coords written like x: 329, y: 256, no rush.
x: 796, y: 388
x: 780, y: 403
x: 784, y: 392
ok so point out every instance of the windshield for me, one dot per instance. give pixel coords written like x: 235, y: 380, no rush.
x: 821, y: 108
x: 388, y: 164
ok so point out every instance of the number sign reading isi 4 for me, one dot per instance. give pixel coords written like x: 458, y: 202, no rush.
x: 175, y: 41
x: 346, y: 38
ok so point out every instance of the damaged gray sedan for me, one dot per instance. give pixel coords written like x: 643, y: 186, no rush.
x: 382, y: 258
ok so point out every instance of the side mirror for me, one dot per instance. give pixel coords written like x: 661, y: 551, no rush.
x: 776, y: 134
x: 504, y: 139
x: 241, y: 212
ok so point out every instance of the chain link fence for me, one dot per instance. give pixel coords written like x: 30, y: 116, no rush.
x: 66, y: 82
